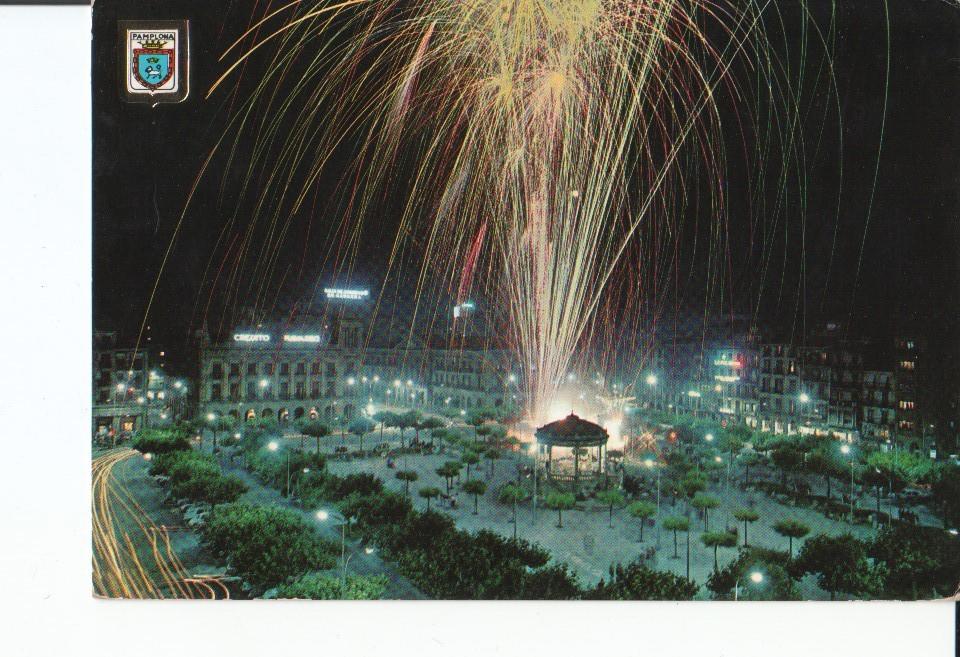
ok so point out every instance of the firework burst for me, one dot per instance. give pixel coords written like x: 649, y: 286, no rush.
x: 533, y: 143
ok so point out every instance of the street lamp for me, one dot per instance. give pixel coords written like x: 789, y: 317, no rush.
x: 708, y: 437
x: 650, y: 463
x: 274, y: 446
x: 804, y: 398
x: 845, y: 449
x: 323, y: 515
x: 756, y: 577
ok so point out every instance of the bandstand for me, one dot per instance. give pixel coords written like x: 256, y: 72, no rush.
x: 576, y: 461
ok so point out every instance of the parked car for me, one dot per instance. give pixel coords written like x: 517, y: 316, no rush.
x: 914, y: 495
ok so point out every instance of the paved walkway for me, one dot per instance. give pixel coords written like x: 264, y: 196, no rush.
x: 586, y: 542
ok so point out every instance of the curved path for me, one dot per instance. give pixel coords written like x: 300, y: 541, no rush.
x: 132, y: 555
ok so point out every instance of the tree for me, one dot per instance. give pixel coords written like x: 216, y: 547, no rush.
x: 749, y: 460
x: 385, y: 418
x: 407, y: 476
x: 704, y: 503
x: 871, y: 476
x: 776, y: 584
x: 219, y: 423
x: 476, y: 488
x: 823, y: 462
x: 679, y: 524
x: 791, y: 529
x: 787, y: 459
x: 559, y: 502
x: 637, y: 581
x: 360, y: 427
x: 476, y: 419
x: 512, y: 494
x: 448, y: 471
x: 718, y: 540
x: 492, y: 454
x: 405, y: 421
x: 918, y: 561
x: 946, y: 491
x: 469, y: 458
x: 430, y: 423
x: 692, y: 484
x: 612, y: 498
x: 315, y: 429
x: 641, y: 510
x: 839, y: 562
x: 746, y: 516
x: 428, y: 493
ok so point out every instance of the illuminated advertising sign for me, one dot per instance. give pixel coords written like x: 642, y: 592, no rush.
x: 346, y: 294
x: 251, y: 337
x: 290, y: 337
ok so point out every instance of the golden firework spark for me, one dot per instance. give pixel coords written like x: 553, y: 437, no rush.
x: 535, y: 141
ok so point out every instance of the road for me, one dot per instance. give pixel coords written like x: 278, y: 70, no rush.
x: 133, y: 557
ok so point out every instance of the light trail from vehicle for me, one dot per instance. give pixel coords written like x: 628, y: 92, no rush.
x: 132, y: 555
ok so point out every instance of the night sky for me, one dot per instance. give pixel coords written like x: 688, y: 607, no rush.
x: 146, y: 159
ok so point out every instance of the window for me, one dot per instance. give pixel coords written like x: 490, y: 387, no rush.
x: 906, y: 405
x: 284, y: 390
x: 216, y: 393
x: 314, y: 390
x: 301, y: 390
x: 216, y: 371
x: 251, y: 369
x: 315, y: 369
x: 331, y: 369
x: 907, y: 365
x: 234, y: 369
x: 301, y: 368
x: 269, y: 369
x: 234, y: 392
x: 251, y: 390
x: 284, y: 368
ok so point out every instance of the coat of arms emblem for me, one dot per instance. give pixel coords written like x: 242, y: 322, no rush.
x: 154, y: 62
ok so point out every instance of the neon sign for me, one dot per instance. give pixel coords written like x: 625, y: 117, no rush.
x: 343, y: 293
x: 290, y: 337
x: 251, y: 337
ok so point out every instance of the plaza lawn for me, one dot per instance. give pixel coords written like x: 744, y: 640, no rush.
x: 586, y: 543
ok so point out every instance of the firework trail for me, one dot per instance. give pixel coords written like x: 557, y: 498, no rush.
x: 535, y: 146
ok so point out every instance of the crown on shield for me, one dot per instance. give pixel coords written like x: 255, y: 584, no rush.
x: 153, y: 44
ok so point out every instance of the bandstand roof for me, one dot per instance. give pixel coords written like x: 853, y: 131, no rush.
x: 572, y: 431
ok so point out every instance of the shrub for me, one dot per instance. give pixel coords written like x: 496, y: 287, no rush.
x: 161, y: 441
x: 197, y: 477
x: 315, y: 586
x: 266, y: 545
x: 637, y: 581
x: 918, y: 561
x: 209, y: 487
x: 773, y: 565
